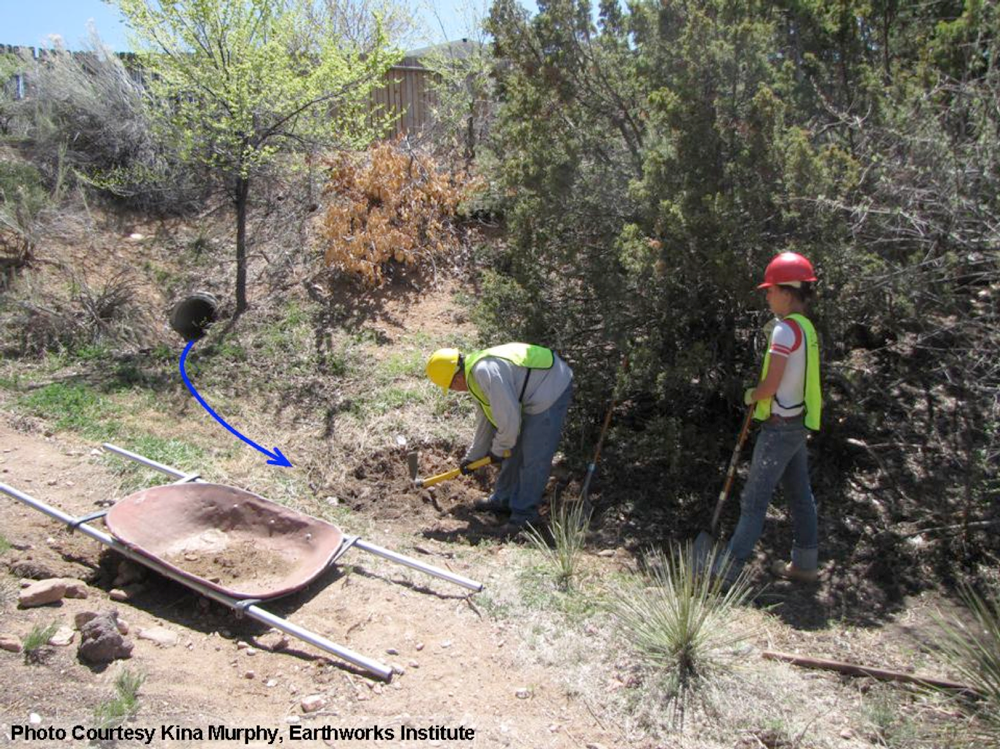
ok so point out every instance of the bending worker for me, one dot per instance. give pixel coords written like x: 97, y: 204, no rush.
x: 523, y: 392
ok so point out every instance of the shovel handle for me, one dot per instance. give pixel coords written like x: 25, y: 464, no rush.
x: 731, y: 473
x: 604, y: 430
x: 453, y: 473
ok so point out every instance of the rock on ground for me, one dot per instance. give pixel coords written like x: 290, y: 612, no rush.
x: 100, y: 640
x: 165, y: 638
x: 41, y: 593
x: 62, y: 638
x: 75, y: 588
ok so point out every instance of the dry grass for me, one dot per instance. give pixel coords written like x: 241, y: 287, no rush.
x: 8, y: 593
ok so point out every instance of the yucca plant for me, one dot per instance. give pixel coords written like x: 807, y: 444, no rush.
x: 973, y: 650
x: 569, y: 524
x: 676, y: 615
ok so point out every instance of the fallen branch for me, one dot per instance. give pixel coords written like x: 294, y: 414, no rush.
x: 974, y: 525
x: 854, y: 669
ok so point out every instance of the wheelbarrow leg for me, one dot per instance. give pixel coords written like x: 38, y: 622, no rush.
x: 416, y: 564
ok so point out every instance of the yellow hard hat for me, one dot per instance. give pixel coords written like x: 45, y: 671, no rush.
x: 443, y: 366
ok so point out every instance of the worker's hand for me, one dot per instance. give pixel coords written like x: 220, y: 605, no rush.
x: 498, y: 459
x: 748, y: 398
x: 464, y: 467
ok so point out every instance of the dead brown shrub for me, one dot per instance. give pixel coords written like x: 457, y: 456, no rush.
x: 388, y: 205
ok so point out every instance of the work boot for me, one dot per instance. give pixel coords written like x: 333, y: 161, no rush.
x: 788, y: 571
x: 491, y: 505
x: 514, y: 528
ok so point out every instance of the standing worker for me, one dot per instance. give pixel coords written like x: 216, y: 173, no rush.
x: 523, y: 392
x: 788, y: 402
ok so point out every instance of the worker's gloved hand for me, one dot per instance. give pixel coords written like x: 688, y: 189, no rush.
x: 464, y: 467
x: 498, y: 459
x: 748, y: 396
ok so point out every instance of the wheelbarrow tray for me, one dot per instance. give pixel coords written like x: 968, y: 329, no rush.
x: 226, y: 538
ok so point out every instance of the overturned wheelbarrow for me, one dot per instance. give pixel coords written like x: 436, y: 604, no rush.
x: 228, y: 539
x: 230, y: 545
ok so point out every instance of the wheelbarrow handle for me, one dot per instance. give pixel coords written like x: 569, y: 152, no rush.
x: 453, y: 473
x: 731, y: 473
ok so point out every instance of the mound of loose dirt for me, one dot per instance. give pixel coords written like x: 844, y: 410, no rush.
x: 381, y: 488
x: 240, y: 561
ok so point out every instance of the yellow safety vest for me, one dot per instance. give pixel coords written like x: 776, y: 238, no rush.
x: 813, y: 394
x: 521, y: 354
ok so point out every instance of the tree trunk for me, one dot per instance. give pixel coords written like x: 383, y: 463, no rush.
x: 242, y: 191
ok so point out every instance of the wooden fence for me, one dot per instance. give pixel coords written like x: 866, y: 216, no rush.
x: 408, y: 92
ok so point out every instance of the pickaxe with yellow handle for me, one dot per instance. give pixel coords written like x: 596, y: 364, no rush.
x: 447, y: 475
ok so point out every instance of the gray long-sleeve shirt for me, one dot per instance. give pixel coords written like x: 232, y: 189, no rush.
x: 501, y: 381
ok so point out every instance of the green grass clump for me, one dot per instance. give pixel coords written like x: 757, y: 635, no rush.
x: 388, y: 399
x: 405, y: 365
x: 74, y: 408
x: 569, y: 524
x: 4, y: 544
x: 173, y: 452
x: 125, y: 704
x: 92, y: 352
x: 37, y: 640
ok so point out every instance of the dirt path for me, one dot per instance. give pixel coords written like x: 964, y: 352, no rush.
x: 459, y: 669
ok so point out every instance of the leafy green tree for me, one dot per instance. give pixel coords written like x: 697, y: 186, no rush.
x: 241, y: 81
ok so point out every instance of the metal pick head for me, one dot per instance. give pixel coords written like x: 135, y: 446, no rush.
x: 411, y: 462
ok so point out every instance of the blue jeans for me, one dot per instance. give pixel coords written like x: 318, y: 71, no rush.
x: 778, y: 455
x: 524, y: 474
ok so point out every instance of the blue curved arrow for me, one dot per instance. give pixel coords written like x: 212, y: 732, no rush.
x: 277, y: 459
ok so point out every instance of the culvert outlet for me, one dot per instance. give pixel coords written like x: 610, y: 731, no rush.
x: 192, y: 315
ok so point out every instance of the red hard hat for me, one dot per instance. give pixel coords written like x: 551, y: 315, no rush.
x: 786, y: 268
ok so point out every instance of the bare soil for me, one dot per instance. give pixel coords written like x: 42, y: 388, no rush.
x: 237, y: 561
x: 381, y: 487
x: 458, y: 668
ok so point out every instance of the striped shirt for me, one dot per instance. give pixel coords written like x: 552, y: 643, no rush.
x: 788, y: 341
